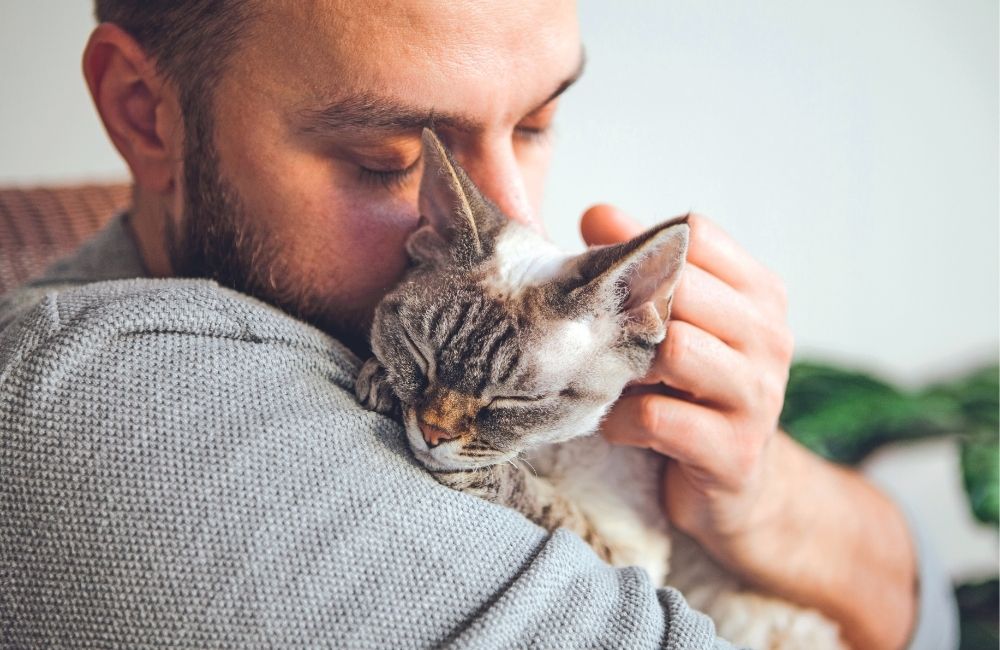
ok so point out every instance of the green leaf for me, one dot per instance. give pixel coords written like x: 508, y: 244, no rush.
x: 844, y: 415
x: 978, y: 604
x: 981, y: 476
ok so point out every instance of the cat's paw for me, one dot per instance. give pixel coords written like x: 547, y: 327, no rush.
x: 373, y: 390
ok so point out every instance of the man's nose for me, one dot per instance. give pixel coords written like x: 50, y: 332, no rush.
x: 434, y: 436
x: 494, y: 169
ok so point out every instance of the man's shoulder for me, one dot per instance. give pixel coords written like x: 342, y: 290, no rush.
x: 176, y: 443
x: 177, y: 346
x: 175, y: 372
x: 48, y: 314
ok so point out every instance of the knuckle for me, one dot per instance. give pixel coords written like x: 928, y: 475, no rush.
x: 774, y: 396
x: 758, y: 321
x: 787, y: 344
x: 649, y: 416
x: 770, y: 387
x: 777, y: 336
x: 676, y: 343
x: 760, y: 388
x: 783, y: 343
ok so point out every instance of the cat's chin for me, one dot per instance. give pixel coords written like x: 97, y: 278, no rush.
x: 440, y: 459
x: 434, y: 465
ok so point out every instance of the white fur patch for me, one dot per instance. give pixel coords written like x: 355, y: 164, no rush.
x: 524, y: 258
x: 565, y: 348
x: 617, y: 488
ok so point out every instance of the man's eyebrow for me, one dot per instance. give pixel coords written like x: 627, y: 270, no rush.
x: 569, y: 81
x: 373, y: 112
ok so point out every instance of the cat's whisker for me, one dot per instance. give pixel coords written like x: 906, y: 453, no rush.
x: 525, y: 461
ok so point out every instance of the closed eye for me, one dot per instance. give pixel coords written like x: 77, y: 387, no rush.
x: 514, y: 401
x: 417, y: 354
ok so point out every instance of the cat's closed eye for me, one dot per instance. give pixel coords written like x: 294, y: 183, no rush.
x: 418, y: 355
x: 514, y: 401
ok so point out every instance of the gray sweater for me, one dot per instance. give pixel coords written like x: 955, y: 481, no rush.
x: 183, y: 465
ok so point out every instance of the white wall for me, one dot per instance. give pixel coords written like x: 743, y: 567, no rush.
x: 852, y: 146
x: 48, y: 128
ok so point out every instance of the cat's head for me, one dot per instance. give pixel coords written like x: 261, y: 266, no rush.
x: 495, y: 342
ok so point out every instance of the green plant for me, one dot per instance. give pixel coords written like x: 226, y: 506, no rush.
x: 844, y: 415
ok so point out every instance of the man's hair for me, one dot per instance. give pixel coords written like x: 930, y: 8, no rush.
x: 190, y: 40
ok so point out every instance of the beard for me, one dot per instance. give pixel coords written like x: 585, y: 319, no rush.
x: 218, y: 239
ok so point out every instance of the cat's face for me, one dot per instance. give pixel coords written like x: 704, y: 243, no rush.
x: 494, y: 342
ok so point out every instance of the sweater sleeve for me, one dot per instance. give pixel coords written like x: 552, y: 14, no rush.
x: 183, y: 465
x: 936, y: 627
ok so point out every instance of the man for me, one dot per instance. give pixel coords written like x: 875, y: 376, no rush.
x: 184, y: 463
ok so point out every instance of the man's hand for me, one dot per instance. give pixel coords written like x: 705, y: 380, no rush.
x: 725, y: 363
x: 776, y: 515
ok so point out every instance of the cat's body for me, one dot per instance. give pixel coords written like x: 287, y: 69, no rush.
x: 617, y: 490
x: 500, y: 355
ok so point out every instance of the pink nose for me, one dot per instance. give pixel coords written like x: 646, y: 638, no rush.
x: 434, y: 436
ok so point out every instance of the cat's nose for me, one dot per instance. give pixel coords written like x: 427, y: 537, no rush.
x: 434, y: 436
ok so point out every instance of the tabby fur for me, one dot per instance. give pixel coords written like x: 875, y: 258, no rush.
x: 500, y: 355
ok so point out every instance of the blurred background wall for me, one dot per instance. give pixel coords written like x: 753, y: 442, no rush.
x: 851, y: 146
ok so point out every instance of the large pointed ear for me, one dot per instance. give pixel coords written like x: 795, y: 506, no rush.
x: 453, y: 212
x: 638, y: 277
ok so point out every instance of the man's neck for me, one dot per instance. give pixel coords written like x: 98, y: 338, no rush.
x: 147, y: 225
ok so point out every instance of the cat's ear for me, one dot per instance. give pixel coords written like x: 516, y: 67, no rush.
x: 451, y: 205
x: 638, y: 276
x: 426, y: 246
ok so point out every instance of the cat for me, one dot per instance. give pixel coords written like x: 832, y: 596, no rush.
x: 500, y: 355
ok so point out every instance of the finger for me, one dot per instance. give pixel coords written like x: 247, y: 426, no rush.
x: 697, y: 363
x: 695, y: 435
x: 707, y: 302
x: 605, y: 224
x: 715, y: 251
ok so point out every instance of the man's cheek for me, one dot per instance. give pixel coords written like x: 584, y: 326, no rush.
x: 357, y: 240
x: 372, y: 215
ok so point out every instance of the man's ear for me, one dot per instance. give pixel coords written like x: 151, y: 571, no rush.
x: 140, y: 110
x: 638, y: 276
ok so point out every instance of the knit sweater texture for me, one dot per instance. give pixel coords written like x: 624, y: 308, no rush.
x: 182, y: 465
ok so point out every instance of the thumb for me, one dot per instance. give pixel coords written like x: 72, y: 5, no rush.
x: 604, y: 224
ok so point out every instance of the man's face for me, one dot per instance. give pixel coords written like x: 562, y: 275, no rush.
x: 317, y: 124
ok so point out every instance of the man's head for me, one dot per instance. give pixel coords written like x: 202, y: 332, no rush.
x: 275, y: 145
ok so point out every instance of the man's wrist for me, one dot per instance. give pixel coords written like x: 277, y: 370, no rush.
x: 763, y: 541
x: 823, y: 537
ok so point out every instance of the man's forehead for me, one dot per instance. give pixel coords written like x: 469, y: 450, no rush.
x: 444, y: 20
x: 467, y: 53
x: 373, y: 112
